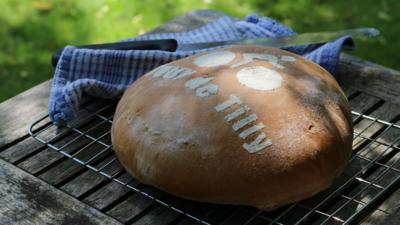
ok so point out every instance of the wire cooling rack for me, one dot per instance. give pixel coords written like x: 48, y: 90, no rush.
x: 372, y: 174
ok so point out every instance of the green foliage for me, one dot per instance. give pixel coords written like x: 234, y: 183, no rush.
x: 30, y: 30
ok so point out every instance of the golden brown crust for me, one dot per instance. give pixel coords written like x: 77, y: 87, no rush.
x: 168, y: 133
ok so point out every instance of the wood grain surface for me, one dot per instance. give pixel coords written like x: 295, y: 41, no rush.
x: 28, y: 200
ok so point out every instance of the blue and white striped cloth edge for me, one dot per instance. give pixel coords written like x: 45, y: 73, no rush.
x: 107, y: 73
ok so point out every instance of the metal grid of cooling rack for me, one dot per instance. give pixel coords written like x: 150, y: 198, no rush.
x: 372, y: 174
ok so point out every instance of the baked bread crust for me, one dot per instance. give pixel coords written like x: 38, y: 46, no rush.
x: 242, y: 125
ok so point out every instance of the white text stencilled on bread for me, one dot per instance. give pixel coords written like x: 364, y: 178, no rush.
x: 172, y: 72
x: 273, y: 60
x: 237, y: 113
x: 261, y: 142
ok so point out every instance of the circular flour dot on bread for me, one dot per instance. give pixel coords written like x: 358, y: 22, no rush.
x: 260, y: 78
x: 214, y: 59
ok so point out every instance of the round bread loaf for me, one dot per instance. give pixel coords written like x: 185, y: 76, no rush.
x: 241, y: 125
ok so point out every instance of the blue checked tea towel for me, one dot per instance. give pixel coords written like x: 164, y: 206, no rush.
x: 107, y: 73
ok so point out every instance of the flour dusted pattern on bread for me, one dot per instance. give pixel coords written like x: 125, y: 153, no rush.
x: 241, y: 125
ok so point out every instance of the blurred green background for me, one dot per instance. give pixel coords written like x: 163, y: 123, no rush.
x: 30, y: 30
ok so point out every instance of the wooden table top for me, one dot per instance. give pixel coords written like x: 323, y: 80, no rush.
x: 41, y: 186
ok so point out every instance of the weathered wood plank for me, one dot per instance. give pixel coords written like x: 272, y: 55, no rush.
x: 135, y: 206
x: 23, y: 149
x: 388, y: 212
x: 375, y: 130
x: 62, y: 171
x: 41, y: 161
x: 157, y: 216
x: 379, y: 217
x: 48, y: 157
x: 69, y: 168
x: 18, y: 112
x: 370, y: 78
x: 365, y: 104
x: 162, y: 215
x: 201, y: 211
x: 109, y: 194
x: 348, y: 91
x: 73, y: 187
x: 27, y: 200
x: 29, y: 146
x: 88, y: 180
x: 54, y: 165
